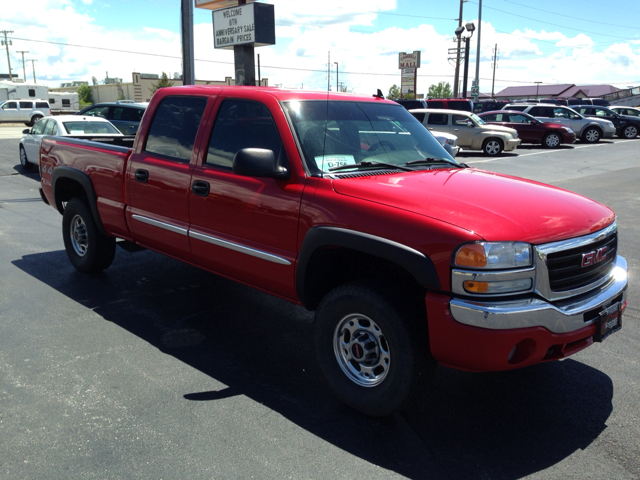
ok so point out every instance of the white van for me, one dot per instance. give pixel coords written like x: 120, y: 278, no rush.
x: 24, y: 111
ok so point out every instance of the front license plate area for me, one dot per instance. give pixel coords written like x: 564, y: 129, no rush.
x: 609, y: 321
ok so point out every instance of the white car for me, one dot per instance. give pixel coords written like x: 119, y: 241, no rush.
x: 61, y: 125
x: 448, y: 141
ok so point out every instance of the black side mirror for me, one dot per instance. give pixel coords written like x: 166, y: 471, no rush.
x: 258, y: 162
x: 26, y: 130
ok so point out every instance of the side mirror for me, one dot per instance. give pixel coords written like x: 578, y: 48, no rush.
x: 470, y: 124
x: 26, y: 130
x: 258, y: 162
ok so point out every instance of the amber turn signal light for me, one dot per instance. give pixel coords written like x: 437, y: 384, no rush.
x: 471, y: 255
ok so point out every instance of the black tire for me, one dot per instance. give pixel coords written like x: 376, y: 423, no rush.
x: 630, y: 131
x: 88, y: 250
x: 552, y: 140
x: 492, y: 147
x: 372, y: 349
x: 591, y: 135
x: 33, y: 121
x: 24, y: 161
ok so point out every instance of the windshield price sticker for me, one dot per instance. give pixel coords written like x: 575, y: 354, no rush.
x: 609, y: 321
x: 331, y: 161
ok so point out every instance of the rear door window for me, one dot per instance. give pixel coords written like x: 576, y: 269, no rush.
x: 438, y: 119
x: 543, y: 112
x: 174, y: 127
x: 26, y: 105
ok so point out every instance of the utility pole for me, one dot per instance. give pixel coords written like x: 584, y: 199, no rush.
x: 477, y: 82
x: 457, y: 75
x: 33, y: 66
x: 186, y: 23
x: 495, y: 62
x: 24, y: 73
x: 6, y: 43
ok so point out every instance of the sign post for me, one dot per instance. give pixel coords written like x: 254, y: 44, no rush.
x: 408, y: 63
x: 241, y: 28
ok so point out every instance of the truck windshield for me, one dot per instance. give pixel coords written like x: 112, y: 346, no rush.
x: 341, y: 133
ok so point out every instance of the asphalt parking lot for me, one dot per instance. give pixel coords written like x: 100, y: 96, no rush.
x: 156, y: 369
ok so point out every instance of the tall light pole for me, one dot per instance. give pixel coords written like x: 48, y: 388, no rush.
x: 24, y: 72
x: 477, y: 82
x: 457, y: 74
x: 7, y: 42
x: 537, y: 86
x: 337, y: 88
x: 470, y: 27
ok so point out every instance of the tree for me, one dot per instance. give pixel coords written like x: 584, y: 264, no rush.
x: 394, y: 92
x: 441, y: 90
x: 163, y: 82
x: 84, y: 94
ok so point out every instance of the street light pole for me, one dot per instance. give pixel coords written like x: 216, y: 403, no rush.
x: 477, y: 82
x: 33, y: 66
x: 537, y: 86
x: 457, y: 74
x: 337, y: 88
x: 466, y: 67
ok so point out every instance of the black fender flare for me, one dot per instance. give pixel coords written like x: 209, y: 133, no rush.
x: 63, y: 172
x: 416, y: 263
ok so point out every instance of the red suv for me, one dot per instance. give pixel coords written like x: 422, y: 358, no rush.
x: 530, y: 129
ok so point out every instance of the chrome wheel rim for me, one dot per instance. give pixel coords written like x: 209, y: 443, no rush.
x: 593, y: 136
x: 79, y: 237
x: 553, y: 140
x: 23, y: 157
x: 631, y: 132
x: 492, y: 148
x: 361, y: 350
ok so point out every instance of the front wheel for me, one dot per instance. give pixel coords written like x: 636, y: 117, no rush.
x: 24, y: 161
x: 492, y: 147
x: 88, y: 250
x: 372, y: 352
x: 630, y: 131
x: 552, y: 140
x: 591, y: 135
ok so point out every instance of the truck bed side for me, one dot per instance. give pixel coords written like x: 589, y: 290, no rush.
x: 68, y: 164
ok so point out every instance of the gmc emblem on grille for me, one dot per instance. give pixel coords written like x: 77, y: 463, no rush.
x: 594, y: 257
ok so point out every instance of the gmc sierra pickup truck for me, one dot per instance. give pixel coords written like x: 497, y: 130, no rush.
x: 348, y: 206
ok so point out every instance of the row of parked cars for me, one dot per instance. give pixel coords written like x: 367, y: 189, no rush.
x: 549, y: 125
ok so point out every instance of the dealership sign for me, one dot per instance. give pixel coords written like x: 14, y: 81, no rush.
x: 252, y: 24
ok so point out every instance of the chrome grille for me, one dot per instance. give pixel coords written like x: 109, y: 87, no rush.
x: 566, y: 271
x: 559, y: 270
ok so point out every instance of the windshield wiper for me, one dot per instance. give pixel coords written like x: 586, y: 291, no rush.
x: 427, y: 161
x: 370, y: 163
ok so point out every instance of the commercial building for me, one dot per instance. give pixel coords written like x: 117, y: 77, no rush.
x: 565, y: 90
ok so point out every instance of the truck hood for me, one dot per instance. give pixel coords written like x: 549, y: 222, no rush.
x: 493, y: 206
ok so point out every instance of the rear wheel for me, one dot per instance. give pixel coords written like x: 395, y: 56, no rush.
x: 591, y: 135
x: 371, y: 349
x: 630, y: 131
x: 492, y: 147
x: 34, y: 119
x: 552, y: 140
x: 88, y: 250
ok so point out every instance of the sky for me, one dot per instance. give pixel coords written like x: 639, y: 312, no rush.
x: 550, y: 41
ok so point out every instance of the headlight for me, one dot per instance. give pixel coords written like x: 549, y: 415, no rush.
x: 610, y: 123
x: 493, y: 255
x: 516, y: 135
x: 451, y: 142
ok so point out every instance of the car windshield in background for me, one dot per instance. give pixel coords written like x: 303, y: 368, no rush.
x: 90, y: 128
x: 339, y: 133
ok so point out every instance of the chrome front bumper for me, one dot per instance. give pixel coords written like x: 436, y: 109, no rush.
x: 559, y: 317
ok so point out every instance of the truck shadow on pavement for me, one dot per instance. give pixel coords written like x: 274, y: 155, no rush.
x: 497, y: 425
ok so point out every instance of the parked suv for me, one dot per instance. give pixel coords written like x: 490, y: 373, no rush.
x: 124, y: 116
x: 530, y: 129
x: 629, y: 111
x: 589, y: 130
x: 626, y: 126
x: 472, y: 132
x: 410, y: 104
x: 24, y: 111
x: 450, y: 104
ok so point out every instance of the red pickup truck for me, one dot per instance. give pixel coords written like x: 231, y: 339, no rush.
x: 348, y: 206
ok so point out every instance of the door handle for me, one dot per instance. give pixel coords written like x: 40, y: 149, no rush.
x: 200, y: 188
x: 142, y: 176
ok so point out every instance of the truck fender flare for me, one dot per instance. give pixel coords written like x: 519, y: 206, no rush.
x: 63, y: 172
x: 416, y: 263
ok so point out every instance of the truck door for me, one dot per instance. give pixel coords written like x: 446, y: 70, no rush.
x: 159, y: 177
x: 245, y: 227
